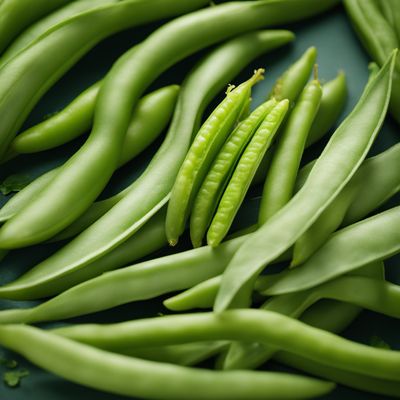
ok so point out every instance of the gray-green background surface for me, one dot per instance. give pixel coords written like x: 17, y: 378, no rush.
x: 338, y: 49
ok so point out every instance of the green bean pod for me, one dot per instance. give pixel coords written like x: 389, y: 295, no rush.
x: 210, y: 76
x: 325, y: 181
x: 372, y: 239
x: 378, y: 38
x: 382, y: 173
x: 244, y: 172
x: 138, y: 282
x: 221, y: 170
x: 281, y: 177
x: 26, y: 78
x: 292, y: 82
x: 114, y: 373
x: 390, y: 9
x: 39, y: 28
x: 148, y: 121
x: 205, y: 147
x: 16, y: 15
x: 266, y: 327
x: 333, y: 100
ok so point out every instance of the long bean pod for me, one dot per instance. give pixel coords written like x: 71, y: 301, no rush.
x: 325, y: 181
x: 281, y: 177
x: 134, y: 377
x: 148, y: 121
x: 375, y: 238
x: 210, y: 76
x: 263, y: 326
x: 16, y: 15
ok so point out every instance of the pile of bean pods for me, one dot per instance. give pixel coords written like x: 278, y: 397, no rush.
x: 325, y: 223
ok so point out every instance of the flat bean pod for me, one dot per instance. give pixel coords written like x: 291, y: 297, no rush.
x: 263, y: 326
x: 205, y: 147
x: 281, y: 177
x: 206, y: 80
x: 220, y: 172
x: 148, y: 121
x: 375, y: 238
x: 16, y: 15
x: 244, y: 173
x: 151, y: 380
x: 333, y: 100
x: 138, y: 282
x: 25, y: 79
x: 325, y: 181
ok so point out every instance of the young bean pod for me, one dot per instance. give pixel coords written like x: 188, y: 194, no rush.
x: 151, y: 380
x: 220, y: 172
x: 325, y: 181
x: 281, y: 177
x: 205, y: 147
x: 244, y: 173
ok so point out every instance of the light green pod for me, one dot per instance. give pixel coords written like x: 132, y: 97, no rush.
x: 203, y: 150
x: 218, y: 176
x: 244, y: 173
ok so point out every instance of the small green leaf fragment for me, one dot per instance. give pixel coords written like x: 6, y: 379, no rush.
x: 14, y: 183
x: 13, y: 378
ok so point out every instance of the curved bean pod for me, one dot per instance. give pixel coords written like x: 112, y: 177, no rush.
x: 35, y: 31
x: 244, y: 173
x: 378, y: 38
x: 375, y: 238
x: 207, y: 79
x: 221, y: 170
x: 25, y: 79
x: 148, y: 121
x: 263, y: 326
x: 382, y: 173
x: 325, y: 181
x: 281, y: 177
x: 292, y: 82
x: 205, y: 147
x: 16, y: 15
x: 334, y: 96
x: 85, y: 365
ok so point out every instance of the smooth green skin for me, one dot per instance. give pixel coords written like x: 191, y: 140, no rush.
x: 291, y: 83
x: 334, y: 168
x: 378, y: 38
x: 230, y: 58
x: 220, y: 172
x: 263, y: 326
x: 69, y: 195
x: 139, y: 282
x: 375, y: 238
x: 115, y: 373
x: 148, y: 121
x: 280, y: 181
x: 16, y: 15
x: 205, y: 81
x: 204, y: 149
x: 36, y: 30
x: 244, y: 172
x: 355, y: 202
x: 333, y: 100
x: 383, y: 172
x: 390, y: 9
x: 253, y: 355
x: 25, y: 79
x: 188, y: 354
